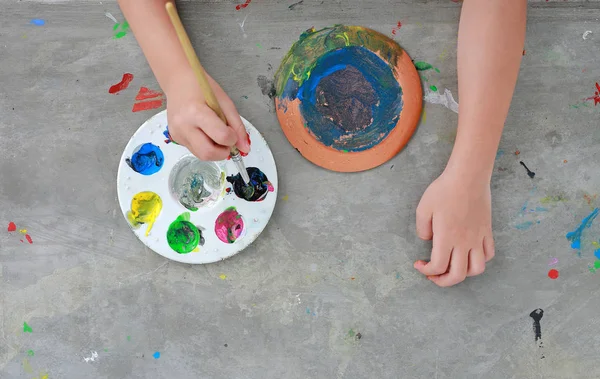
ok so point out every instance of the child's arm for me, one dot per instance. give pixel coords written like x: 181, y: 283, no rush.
x: 455, y: 210
x: 191, y: 122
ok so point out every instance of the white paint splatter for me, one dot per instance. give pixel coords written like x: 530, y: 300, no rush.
x: 446, y: 99
x: 92, y: 358
x: 585, y: 34
x: 242, y: 25
x: 111, y: 17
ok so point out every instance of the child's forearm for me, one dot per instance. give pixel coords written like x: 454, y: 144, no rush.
x: 155, y: 34
x: 490, y: 45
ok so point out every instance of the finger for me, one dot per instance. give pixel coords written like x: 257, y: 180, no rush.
x: 207, y: 120
x: 457, y: 272
x: 424, y: 228
x: 476, y: 262
x: 440, y: 257
x: 488, y: 248
x: 233, y: 117
x: 204, y: 148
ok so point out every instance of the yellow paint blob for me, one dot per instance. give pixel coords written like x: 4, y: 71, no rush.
x: 223, y: 276
x: 23, y: 231
x: 286, y: 198
x: 145, y: 208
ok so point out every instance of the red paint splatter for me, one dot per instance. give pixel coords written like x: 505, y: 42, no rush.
x: 28, y: 237
x: 146, y: 93
x: 517, y: 152
x: 396, y: 28
x: 553, y: 274
x: 146, y: 105
x: 240, y: 6
x: 228, y: 190
x: 12, y: 227
x: 124, y: 83
x: 596, y: 96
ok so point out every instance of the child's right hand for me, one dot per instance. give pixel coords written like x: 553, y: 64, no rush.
x: 194, y: 125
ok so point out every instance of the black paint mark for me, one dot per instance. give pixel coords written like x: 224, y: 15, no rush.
x: 529, y: 172
x: 358, y: 336
x: 258, y: 181
x: 346, y: 98
x: 392, y: 167
x: 274, y: 48
x: 293, y: 6
x: 267, y: 87
x: 537, y: 315
x: 225, y: 345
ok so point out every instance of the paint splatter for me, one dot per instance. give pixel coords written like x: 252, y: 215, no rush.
x: 146, y: 160
x: 517, y: 152
x: 229, y: 226
x: 128, y: 338
x: 433, y: 88
x: 553, y: 261
x: 575, y: 235
x: 156, y: 355
x: 12, y: 227
x: 423, y: 66
x: 145, y: 208
x: 183, y: 236
x: 446, y: 99
x: 23, y: 231
x: 92, y: 357
x: 30, y: 353
x: 553, y: 274
x: 145, y: 94
x: 28, y: 238
x: 596, y: 96
x: 554, y: 199
x: 37, y: 22
x: 242, y: 6
x: 537, y: 315
x: 26, y: 328
x: 27, y: 366
x: 589, y: 199
x: 120, y: 30
x: 222, y: 276
x: 524, y: 226
x: 258, y: 180
x: 110, y: 16
x: 168, y: 137
x: 285, y: 198
x: 530, y: 173
x: 396, y: 28
x: 123, y: 84
x: 267, y: 86
x: 499, y: 153
x: 293, y: 6
x: 585, y: 34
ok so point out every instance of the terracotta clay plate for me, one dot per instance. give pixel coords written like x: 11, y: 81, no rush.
x: 348, y: 98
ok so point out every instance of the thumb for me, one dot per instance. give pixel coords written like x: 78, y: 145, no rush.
x: 424, y: 217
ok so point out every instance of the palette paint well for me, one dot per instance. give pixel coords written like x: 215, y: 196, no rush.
x: 206, y: 225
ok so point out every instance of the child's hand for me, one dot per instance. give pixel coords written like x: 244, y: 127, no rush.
x: 456, y: 212
x: 194, y: 125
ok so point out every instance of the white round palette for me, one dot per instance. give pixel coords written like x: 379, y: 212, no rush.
x: 154, y: 181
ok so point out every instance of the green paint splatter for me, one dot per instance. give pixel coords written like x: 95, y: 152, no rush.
x: 344, y: 151
x: 105, y: 350
x: 351, y: 333
x: 553, y: 199
x: 437, y: 70
x: 26, y: 328
x: 259, y: 45
x: 30, y: 353
x: 120, y: 35
x: 183, y: 236
x: 116, y: 26
x: 300, y: 60
x: 128, y: 338
x: 597, y: 264
x: 124, y: 28
x: 423, y: 66
x: 433, y: 88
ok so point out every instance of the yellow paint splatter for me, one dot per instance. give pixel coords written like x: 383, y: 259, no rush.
x: 23, y: 231
x: 222, y: 276
x: 145, y: 208
x: 595, y: 244
x: 423, y: 117
x: 27, y: 366
x: 285, y: 198
x: 196, y: 250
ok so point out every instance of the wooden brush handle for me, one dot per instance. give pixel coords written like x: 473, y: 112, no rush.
x: 211, y: 99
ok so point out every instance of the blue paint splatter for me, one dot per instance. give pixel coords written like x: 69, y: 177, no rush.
x: 575, y: 235
x: 499, y: 153
x: 597, y: 253
x: 147, y: 160
x: 397, y: 275
x: 38, y: 22
x: 167, y: 135
x: 524, y: 225
x: 156, y: 355
x: 351, y: 101
x: 307, y: 311
x: 541, y: 209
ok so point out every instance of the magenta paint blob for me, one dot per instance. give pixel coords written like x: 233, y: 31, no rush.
x: 229, y: 225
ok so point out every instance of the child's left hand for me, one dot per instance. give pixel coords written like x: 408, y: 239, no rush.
x: 455, y: 211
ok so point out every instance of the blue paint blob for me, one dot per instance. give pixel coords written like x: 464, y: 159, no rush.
x: 147, y: 160
x: 524, y: 226
x: 156, y: 355
x: 597, y: 254
x: 351, y: 101
x: 38, y: 22
x: 575, y: 235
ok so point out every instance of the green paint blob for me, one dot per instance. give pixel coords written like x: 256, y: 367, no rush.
x: 259, y: 45
x: 597, y: 264
x: 433, y: 88
x: 183, y: 236
x: 26, y: 328
x: 30, y: 353
x: 116, y: 26
x: 437, y: 70
x: 423, y: 66
x: 120, y: 35
x: 128, y: 338
x: 301, y: 59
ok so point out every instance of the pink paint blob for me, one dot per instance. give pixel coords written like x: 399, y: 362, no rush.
x: 229, y: 225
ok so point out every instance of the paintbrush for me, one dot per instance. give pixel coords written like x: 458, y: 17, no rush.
x: 211, y: 99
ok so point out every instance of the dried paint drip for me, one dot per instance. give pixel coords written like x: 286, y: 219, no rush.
x: 229, y: 225
x: 196, y: 183
x: 145, y: 208
x: 147, y: 160
x: 183, y: 236
x: 258, y: 181
x: 537, y: 315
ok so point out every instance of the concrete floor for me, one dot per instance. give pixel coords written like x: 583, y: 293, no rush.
x: 336, y: 258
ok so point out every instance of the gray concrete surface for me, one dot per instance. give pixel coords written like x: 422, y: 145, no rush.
x: 336, y: 258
